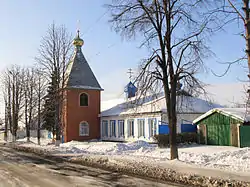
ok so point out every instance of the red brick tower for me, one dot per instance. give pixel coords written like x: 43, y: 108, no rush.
x: 82, y: 99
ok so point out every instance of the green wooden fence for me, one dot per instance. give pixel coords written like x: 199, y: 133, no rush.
x: 244, y: 136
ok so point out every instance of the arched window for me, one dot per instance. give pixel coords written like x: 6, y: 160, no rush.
x: 84, y: 99
x: 84, y: 129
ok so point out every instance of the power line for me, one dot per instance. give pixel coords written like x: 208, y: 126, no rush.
x: 92, y: 26
x: 98, y: 19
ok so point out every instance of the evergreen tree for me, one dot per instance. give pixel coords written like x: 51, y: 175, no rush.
x: 49, y: 106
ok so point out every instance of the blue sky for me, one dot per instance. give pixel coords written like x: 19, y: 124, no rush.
x: 23, y: 23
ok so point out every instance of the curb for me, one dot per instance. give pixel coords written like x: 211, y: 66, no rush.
x: 140, y: 169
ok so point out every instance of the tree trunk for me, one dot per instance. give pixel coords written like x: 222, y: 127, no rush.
x: 57, y: 119
x: 13, y: 111
x: 6, y: 123
x: 39, y: 112
x: 173, y: 122
x: 247, y: 28
x: 57, y: 109
x: 26, y: 117
x: 9, y: 109
x: 172, y: 135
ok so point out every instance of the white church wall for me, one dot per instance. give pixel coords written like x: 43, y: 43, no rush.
x: 126, y: 137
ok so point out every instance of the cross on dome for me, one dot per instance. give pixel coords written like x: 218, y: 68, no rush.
x: 78, y: 42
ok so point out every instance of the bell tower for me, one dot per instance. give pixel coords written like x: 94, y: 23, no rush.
x: 82, y: 95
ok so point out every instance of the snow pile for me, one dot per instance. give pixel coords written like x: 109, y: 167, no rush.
x: 222, y: 157
x: 88, y: 147
x: 235, y: 160
x: 105, y: 148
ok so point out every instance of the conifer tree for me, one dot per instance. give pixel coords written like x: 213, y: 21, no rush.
x: 49, y: 106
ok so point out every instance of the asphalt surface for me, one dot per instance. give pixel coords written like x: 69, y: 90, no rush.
x: 19, y: 169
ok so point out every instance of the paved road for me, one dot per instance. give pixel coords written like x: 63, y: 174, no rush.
x: 18, y: 169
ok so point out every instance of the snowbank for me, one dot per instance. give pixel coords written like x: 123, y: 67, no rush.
x: 221, y: 157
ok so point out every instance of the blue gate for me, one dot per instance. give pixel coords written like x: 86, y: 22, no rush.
x: 163, y: 129
x: 188, y: 128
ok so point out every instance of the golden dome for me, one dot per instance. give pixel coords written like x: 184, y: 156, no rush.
x: 78, y: 42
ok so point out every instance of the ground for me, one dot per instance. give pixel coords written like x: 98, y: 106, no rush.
x: 28, y: 170
x: 197, y: 163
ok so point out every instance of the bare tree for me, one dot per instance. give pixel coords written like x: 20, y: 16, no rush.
x: 241, y: 10
x: 29, y: 99
x: 175, y: 32
x: 6, y: 90
x: 40, y: 92
x: 13, y: 86
x: 54, y: 54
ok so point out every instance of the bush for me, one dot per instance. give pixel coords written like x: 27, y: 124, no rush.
x: 188, y: 137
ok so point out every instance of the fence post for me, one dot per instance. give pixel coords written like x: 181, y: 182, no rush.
x: 238, y: 132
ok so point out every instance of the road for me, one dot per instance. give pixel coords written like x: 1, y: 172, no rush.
x: 19, y: 169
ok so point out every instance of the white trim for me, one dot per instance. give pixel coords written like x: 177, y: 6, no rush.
x: 85, y: 126
x: 129, y: 131
x: 112, y: 129
x: 152, y: 127
x: 219, y: 110
x: 141, y: 128
x: 104, y: 128
x: 120, y: 131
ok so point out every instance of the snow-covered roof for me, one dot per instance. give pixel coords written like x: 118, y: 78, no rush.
x: 111, y: 103
x: 237, y: 113
x: 156, y: 103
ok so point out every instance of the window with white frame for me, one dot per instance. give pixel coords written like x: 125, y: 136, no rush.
x: 130, y: 124
x: 112, y: 128
x: 141, y: 127
x: 104, y: 128
x: 152, y: 127
x: 84, y: 129
x: 120, y: 128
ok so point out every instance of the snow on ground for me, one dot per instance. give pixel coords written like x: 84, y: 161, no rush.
x: 221, y: 157
x: 33, y: 141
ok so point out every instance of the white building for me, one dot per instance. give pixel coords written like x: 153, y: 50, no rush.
x: 139, y: 119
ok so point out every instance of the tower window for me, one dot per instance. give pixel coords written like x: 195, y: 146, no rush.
x: 84, y: 129
x: 84, y: 99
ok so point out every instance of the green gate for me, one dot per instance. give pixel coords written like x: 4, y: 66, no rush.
x: 220, y: 129
x: 218, y: 134
x: 244, y: 136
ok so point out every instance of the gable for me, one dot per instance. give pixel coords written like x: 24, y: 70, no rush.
x: 217, y: 114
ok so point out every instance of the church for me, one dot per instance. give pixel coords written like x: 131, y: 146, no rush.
x: 82, y: 98
x: 127, y: 121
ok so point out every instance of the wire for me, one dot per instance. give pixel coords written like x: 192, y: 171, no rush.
x: 92, y: 26
x: 98, y: 19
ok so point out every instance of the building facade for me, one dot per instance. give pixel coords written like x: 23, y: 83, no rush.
x: 131, y: 121
x: 81, y: 99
